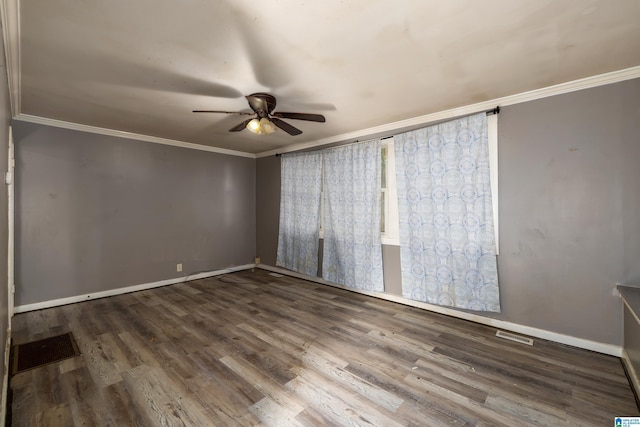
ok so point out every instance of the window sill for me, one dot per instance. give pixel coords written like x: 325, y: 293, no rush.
x: 390, y: 241
x: 387, y: 241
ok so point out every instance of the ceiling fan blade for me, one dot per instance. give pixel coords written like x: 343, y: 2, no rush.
x: 241, y: 126
x: 244, y: 113
x: 301, y: 116
x: 138, y: 73
x: 291, y: 130
x: 260, y: 53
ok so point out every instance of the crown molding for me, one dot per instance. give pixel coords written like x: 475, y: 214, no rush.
x: 10, y: 15
x: 572, y: 86
x: 128, y: 135
x: 408, y: 124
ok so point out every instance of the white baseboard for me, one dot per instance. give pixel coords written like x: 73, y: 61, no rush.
x: 599, y: 347
x: 111, y: 292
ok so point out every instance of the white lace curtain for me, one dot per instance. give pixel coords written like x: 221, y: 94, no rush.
x: 300, y: 189
x: 352, y: 253
x: 447, y: 241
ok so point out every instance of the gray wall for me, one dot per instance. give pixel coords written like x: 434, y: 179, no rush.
x: 95, y: 213
x: 562, y: 173
x: 630, y: 133
x: 5, y: 120
x: 569, y: 211
x: 268, y: 208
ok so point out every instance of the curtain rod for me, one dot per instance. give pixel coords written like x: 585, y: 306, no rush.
x: 489, y: 113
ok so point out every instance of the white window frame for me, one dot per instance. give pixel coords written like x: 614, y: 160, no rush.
x: 492, y: 134
x: 391, y: 235
x: 321, y: 232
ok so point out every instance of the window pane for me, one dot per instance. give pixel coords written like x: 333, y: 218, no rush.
x: 382, y: 210
x: 384, y: 166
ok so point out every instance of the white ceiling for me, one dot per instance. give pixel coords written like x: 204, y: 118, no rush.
x: 141, y: 66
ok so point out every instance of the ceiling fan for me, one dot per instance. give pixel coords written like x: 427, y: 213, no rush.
x: 266, y: 120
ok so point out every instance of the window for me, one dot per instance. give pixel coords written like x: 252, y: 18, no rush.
x: 445, y: 203
x: 389, y: 222
x: 492, y: 128
x: 383, y: 189
x: 389, y: 226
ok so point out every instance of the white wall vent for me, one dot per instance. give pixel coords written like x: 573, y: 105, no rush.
x: 513, y: 337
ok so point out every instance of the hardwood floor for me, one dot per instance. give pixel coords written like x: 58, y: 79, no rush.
x: 252, y: 349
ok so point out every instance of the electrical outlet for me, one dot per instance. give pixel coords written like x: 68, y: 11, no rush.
x: 179, y: 267
x: 257, y: 260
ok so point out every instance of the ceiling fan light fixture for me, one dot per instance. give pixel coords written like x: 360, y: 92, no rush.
x: 262, y: 126
x: 254, y: 126
x: 267, y: 126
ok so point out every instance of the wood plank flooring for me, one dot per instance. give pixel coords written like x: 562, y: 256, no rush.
x: 251, y: 349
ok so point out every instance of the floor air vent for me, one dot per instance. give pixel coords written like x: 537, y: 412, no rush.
x: 42, y: 352
x: 276, y: 274
x: 513, y: 337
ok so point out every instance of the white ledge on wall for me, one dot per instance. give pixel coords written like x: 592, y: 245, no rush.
x: 416, y: 122
x: 128, y: 135
x: 111, y: 292
x: 382, y: 130
x: 599, y: 347
x: 390, y: 241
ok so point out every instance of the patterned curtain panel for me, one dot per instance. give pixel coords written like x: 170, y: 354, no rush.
x: 352, y: 253
x: 447, y: 243
x: 300, y: 190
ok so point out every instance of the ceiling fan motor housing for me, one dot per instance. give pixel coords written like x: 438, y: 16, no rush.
x: 262, y: 103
